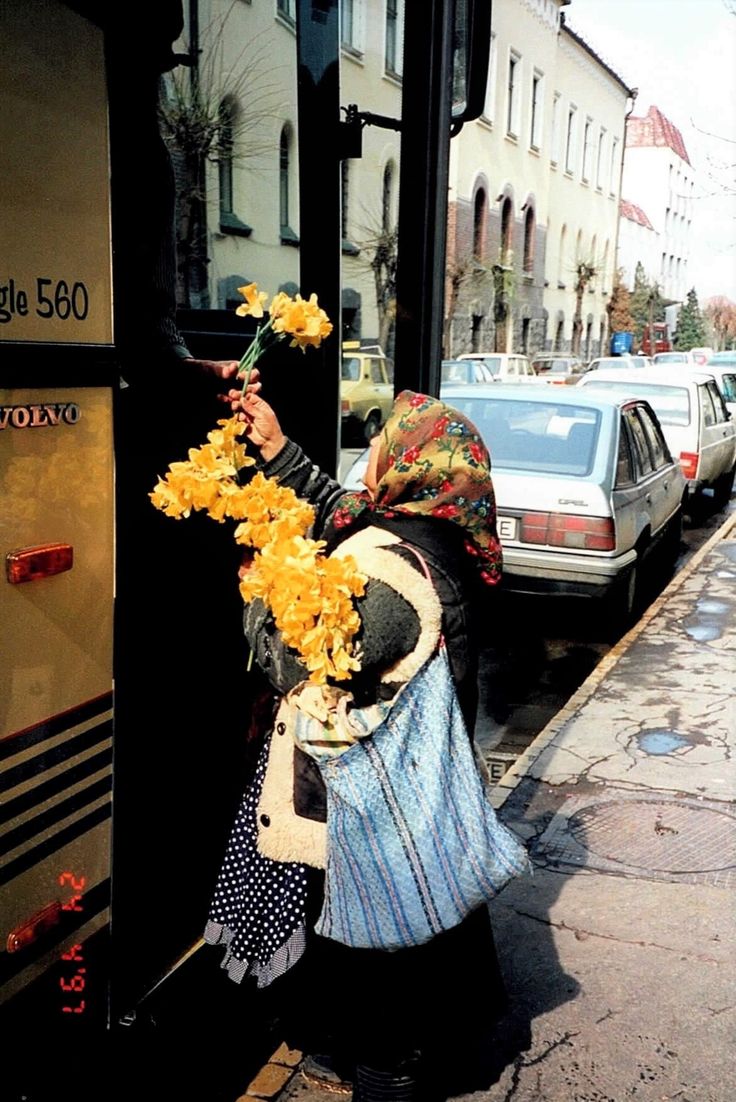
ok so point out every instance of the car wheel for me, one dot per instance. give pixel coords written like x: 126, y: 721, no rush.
x: 722, y: 488
x: 622, y: 603
x: 371, y: 427
x: 673, y: 540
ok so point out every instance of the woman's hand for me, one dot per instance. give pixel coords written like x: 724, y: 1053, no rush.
x: 262, y: 426
x: 232, y: 397
x: 224, y: 370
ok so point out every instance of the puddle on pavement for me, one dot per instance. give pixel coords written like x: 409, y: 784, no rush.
x: 703, y: 633
x: 712, y: 606
x: 707, y: 620
x: 661, y: 742
x: 728, y: 550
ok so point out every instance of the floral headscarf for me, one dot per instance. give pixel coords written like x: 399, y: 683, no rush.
x: 432, y: 462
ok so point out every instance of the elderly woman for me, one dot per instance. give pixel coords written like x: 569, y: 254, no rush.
x: 395, y: 1021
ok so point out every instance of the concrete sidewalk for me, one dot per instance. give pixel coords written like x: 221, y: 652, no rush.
x: 619, y: 952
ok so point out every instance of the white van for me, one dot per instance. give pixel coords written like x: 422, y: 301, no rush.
x: 694, y: 419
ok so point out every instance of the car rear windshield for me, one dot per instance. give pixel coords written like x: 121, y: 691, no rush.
x: 670, y: 358
x: 670, y: 403
x: 556, y: 367
x: 350, y: 369
x: 535, y: 436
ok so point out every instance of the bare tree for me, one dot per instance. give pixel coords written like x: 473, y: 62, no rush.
x: 198, y: 131
x: 720, y: 315
x: 585, y: 272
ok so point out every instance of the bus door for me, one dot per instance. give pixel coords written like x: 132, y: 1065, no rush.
x: 56, y: 510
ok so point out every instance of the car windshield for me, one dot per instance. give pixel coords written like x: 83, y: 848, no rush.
x: 728, y: 386
x: 493, y: 363
x: 670, y: 358
x: 535, y: 436
x: 350, y: 369
x: 611, y: 361
x: 670, y: 403
x: 456, y: 371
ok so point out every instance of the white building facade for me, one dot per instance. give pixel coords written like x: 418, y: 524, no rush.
x: 534, y: 184
x: 535, y: 188
x: 660, y: 181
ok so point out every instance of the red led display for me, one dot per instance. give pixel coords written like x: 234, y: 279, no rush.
x: 75, y: 983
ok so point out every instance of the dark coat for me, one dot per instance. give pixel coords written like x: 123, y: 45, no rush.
x: 390, y: 624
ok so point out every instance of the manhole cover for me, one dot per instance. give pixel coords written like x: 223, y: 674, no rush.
x: 682, y: 839
x: 660, y: 836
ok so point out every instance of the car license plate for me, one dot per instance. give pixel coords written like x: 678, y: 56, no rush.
x: 506, y: 528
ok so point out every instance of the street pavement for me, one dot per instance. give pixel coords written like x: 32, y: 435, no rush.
x: 619, y: 951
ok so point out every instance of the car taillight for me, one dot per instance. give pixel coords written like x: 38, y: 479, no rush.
x: 345, y: 405
x: 689, y: 464
x: 567, y: 530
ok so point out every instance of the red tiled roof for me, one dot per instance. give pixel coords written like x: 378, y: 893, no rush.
x: 634, y: 214
x: 655, y: 130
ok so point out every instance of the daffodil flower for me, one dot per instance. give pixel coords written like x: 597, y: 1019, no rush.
x: 254, y: 300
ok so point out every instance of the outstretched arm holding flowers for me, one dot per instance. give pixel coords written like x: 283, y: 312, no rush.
x: 309, y: 594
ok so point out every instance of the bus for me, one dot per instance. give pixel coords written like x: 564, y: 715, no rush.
x: 126, y: 713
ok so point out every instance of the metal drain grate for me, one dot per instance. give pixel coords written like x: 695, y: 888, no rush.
x: 630, y: 835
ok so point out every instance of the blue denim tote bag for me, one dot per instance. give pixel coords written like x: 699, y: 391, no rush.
x: 413, y: 844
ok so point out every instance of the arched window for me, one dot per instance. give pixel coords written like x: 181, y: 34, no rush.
x: 507, y: 213
x: 387, y: 197
x: 604, y: 268
x: 286, y: 187
x: 560, y: 334
x: 226, y: 114
x: 593, y: 261
x: 479, y: 224
x: 562, y: 258
x: 284, y: 178
x: 529, y: 234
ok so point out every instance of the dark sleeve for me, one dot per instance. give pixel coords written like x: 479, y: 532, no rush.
x: 292, y: 468
x: 389, y: 630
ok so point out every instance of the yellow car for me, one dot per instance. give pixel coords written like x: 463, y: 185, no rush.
x: 366, y: 389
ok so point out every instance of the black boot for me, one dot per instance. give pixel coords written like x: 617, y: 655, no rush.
x: 398, y: 1084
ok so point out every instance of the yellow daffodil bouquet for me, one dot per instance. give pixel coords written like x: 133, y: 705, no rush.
x: 309, y: 594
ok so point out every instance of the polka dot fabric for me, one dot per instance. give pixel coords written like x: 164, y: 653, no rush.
x: 258, y: 908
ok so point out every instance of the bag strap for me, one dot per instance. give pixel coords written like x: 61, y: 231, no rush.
x: 428, y: 576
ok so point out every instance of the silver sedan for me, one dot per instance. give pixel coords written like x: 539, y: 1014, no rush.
x: 587, y: 491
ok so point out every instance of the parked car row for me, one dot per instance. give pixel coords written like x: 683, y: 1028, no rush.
x: 592, y: 482
x: 694, y: 417
x: 367, y: 380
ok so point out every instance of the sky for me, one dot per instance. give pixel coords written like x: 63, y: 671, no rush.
x: 681, y: 55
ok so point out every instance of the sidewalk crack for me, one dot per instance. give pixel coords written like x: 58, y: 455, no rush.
x: 582, y: 935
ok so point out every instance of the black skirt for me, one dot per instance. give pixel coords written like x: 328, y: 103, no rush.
x: 378, y: 1008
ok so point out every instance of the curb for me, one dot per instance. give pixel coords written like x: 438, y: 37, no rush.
x: 274, y: 1077
x: 513, y: 777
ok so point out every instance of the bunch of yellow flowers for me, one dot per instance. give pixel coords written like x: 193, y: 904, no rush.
x: 301, y: 319
x: 309, y: 594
